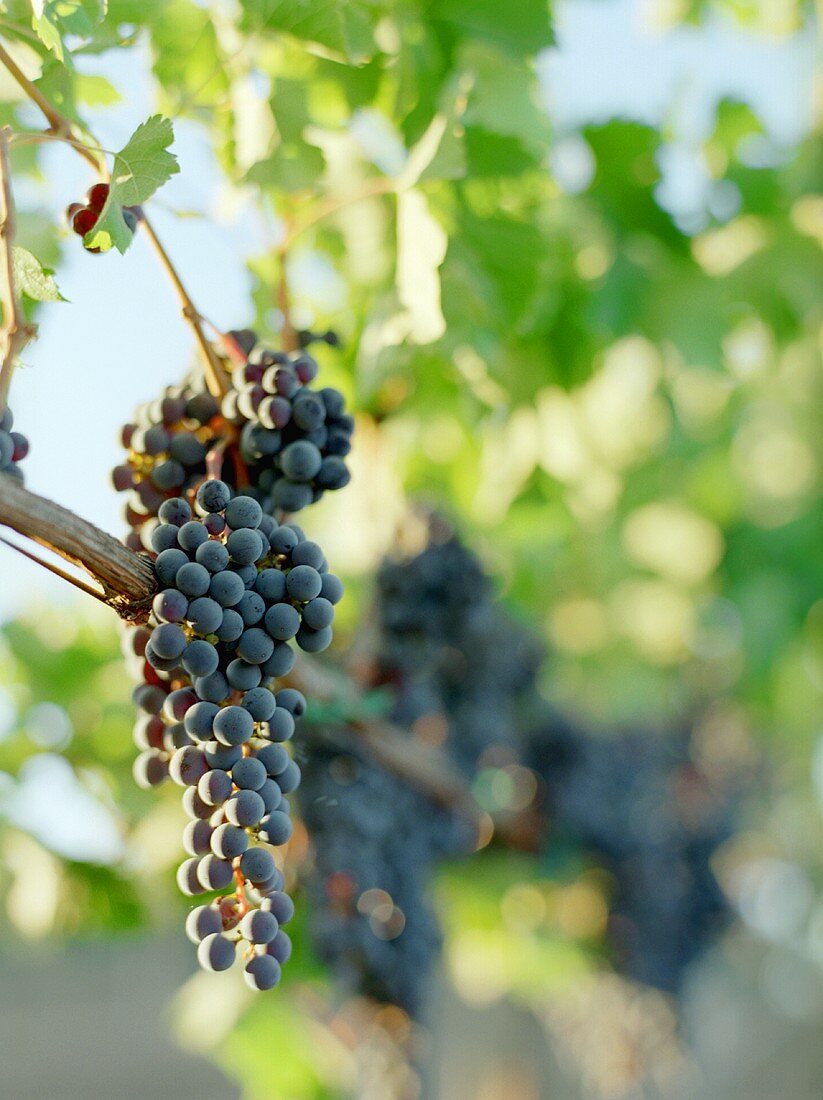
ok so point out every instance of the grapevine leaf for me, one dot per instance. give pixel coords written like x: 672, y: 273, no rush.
x: 140, y: 168
x: 527, y: 31
x: 53, y: 19
x: 32, y: 279
x: 344, y: 28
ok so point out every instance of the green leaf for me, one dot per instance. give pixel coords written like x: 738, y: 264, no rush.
x: 53, y: 19
x: 525, y: 28
x: 143, y: 165
x: 32, y: 279
x: 344, y: 28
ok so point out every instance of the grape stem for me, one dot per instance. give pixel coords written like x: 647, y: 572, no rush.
x: 288, y: 334
x: 16, y: 331
x: 60, y: 126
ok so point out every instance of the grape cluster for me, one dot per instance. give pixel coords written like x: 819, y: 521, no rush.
x: 83, y: 216
x: 458, y: 670
x: 280, y: 440
x: 294, y: 439
x: 13, y: 446
x: 450, y: 652
x: 638, y: 803
x: 377, y: 842
x: 167, y: 441
x: 234, y: 589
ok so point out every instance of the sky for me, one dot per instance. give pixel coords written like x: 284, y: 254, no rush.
x: 120, y: 337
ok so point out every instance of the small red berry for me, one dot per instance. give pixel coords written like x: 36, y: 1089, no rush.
x: 84, y: 220
x: 97, y: 196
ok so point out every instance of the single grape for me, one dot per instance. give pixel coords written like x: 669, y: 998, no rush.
x: 187, y: 766
x: 255, y: 646
x: 221, y: 757
x: 280, y: 947
x: 245, y: 808
x: 205, y: 615
x: 229, y: 841
x: 282, y: 621
x: 233, y: 726
x: 193, y: 579
x: 281, y: 661
x: 231, y: 626
x: 213, y: 556
x: 292, y: 700
x: 301, y: 460
x: 200, y: 658
x: 276, y: 828
x: 168, y: 640
x: 203, y: 921
x: 256, y: 864
x: 281, y: 725
x: 188, y: 879
x: 289, y: 778
x: 245, y: 546
x: 216, y: 952
x: 191, y: 535
x: 262, y: 972
x: 251, y: 608
x: 170, y: 606
x: 260, y: 704
x: 149, y: 770
x: 243, y: 512
x: 197, y: 838
x: 274, y: 759
x: 258, y: 926
x: 271, y: 585
x: 249, y: 774
x: 318, y: 613
x: 303, y: 582
x: 214, y: 873
x: 214, y: 787
x: 213, y: 496
x: 279, y: 905
x: 167, y: 564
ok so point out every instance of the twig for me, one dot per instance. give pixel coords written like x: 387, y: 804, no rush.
x: 288, y: 334
x: 126, y: 578
x: 58, y: 123
x: 62, y: 126
x: 15, y: 332
x: 216, y: 379
x: 58, y: 572
x: 325, y: 209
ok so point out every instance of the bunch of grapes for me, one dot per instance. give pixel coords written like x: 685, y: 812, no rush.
x: 377, y: 842
x: 234, y: 589
x: 277, y: 439
x: 458, y: 671
x: 293, y: 439
x: 454, y: 658
x: 640, y: 805
x: 167, y: 442
x: 83, y: 216
x: 13, y: 446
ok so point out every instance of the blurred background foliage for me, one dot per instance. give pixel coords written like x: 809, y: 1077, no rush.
x: 611, y: 390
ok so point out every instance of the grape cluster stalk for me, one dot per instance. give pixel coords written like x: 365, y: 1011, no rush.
x: 238, y: 589
x: 13, y: 447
